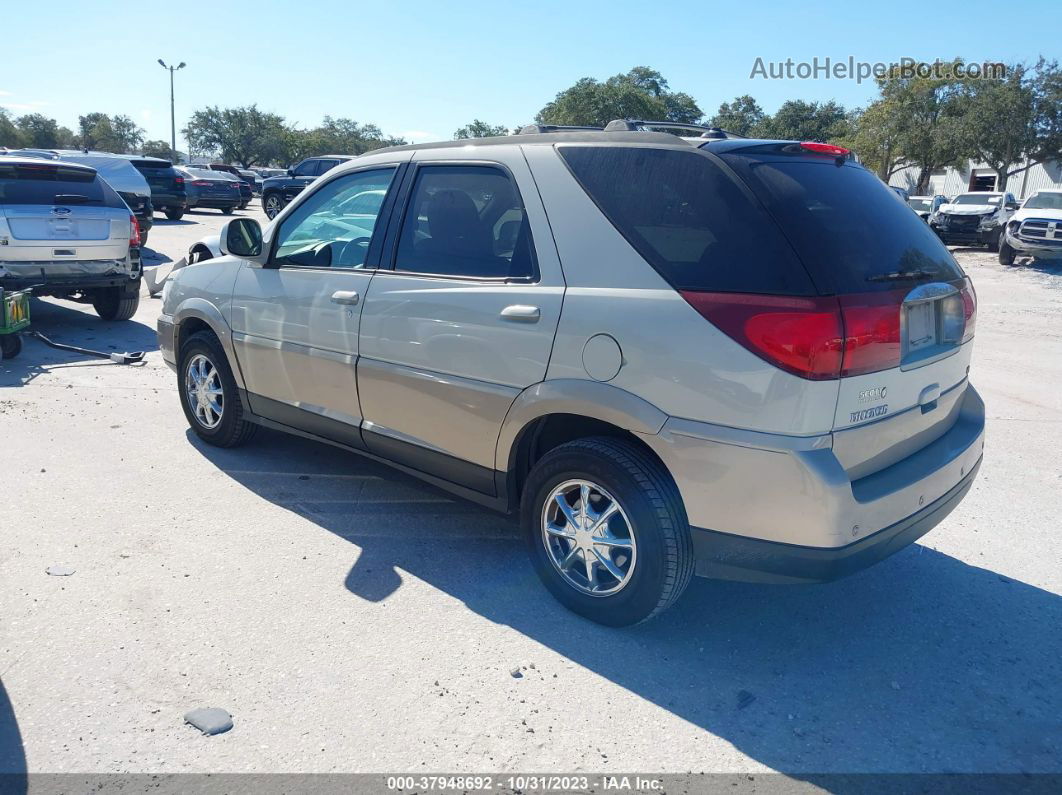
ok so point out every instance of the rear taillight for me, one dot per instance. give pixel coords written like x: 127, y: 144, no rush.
x: 134, y: 232
x: 201, y: 183
x: 969, y: 309
x: 871, y: 331
x: 179, y: 180
x: 824, y: 337
x: 800, y: 335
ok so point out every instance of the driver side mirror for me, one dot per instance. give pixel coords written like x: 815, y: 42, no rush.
x: 1013, y: 205
x: 241, y: 237
x: 291, y: 172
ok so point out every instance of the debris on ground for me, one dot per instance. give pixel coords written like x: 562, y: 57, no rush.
x: 59, y: 571
x: 209, y: 720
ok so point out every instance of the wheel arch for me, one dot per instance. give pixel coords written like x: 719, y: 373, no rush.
x: 197, y: 314
x: 553, y: 412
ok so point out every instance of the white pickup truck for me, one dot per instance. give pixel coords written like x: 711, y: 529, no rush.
x: 1035, y: 230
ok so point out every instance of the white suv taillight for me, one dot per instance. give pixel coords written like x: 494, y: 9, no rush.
x: 134, y: 232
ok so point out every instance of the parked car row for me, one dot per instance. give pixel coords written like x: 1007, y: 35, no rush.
x: 669, y: 355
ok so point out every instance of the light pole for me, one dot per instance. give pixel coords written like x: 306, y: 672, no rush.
x: 173, y: 122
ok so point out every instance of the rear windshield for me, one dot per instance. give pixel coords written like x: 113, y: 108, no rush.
x: 151, y: 164
x: 689, y: 219
x: 50, y: 184
x: 845, y: 223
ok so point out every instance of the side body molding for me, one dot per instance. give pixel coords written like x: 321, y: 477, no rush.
x: 594, y: 399
x: 204, y: 310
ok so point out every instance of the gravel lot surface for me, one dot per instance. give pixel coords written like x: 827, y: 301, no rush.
x: 352, y: 619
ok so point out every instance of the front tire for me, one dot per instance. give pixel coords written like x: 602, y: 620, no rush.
x: 227, y: 210
x: 272, y: 204
x: 175, y: 215
x: 208, y: 393
x: 10, y: 345
x: 1006, y: 254
x: 618, y: 550
x: 995, y: 242
x: 117, y: 303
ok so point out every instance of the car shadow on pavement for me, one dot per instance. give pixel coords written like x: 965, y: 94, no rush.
x: 69, y: 324
x: 12, y: 754
x: 922, y: 657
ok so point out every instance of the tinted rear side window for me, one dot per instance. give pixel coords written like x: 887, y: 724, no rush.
x: 849, y: 228
x: 689, y: 219
x: 52, y: 184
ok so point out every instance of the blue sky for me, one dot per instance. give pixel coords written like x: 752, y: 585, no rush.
x: 423, y: 69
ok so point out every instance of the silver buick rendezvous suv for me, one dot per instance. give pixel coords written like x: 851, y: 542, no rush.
x: 736, y: 358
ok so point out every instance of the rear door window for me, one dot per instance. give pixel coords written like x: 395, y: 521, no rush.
x: 845, y: 223
x: 468, y: 222
x: 689, y: 219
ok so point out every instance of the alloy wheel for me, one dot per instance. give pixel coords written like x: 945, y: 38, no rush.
x: 588, y: 538
x: 202, y: 386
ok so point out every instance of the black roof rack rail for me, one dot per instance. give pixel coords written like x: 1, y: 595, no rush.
x: 635, y: 125
x: 530, y: 129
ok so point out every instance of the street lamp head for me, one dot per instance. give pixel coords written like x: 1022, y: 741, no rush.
x: 181, y: 65
x: 162, y: 63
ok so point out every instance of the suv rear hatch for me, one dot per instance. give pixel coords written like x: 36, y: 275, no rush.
x: 906, y: 310
x: 162, y: 178
x: 813, y: 264
x: 56, y: 212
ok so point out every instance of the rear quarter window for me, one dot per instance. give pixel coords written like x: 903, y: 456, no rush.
x: 849, y: 228
x: 689, y: 219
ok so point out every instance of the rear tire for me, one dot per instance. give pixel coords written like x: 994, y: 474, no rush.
x: 117, y: 303
x: 227, y: 210
x: 243, y: 206
x: 175, y: 215
x: 231, y: 429
x: 10, y: 345
x: 1006, y: 254
x: 658, y: 562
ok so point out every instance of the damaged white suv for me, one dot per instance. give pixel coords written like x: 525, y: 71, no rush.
x: 65, y: 232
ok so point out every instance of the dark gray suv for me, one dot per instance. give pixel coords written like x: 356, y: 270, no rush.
x: 278, y: 191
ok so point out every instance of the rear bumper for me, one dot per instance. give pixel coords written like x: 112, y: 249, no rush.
x: 217, y: 204
x: 66, y: 278
x: 733, y: 557
x: 772, y: 508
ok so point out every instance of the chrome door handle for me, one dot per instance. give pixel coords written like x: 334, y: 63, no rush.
x: 521, y: 313
x: 345, y: 297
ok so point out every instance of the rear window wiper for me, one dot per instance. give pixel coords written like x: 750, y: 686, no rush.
x: 74, y: 198
x: 899, y: 276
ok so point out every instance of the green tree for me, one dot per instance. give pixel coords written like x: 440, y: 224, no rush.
x: 10, y: 135
x: 157, y: 148
x: 118, y: 134
x: 924, y: 117
x: 798, y: 120
x: 40, y: 132
x: 641, y: 93
x: 480, y: 129
x: 340, y: 136
x: 245, y: 135
x: 876, y: 137
x: 741, y: 116
x: 1011, y: 123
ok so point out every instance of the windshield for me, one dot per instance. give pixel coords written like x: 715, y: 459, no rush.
x: 845, y: 224
x: 977, y: 198
x: 1044, y: 201
x: 920, y: 204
